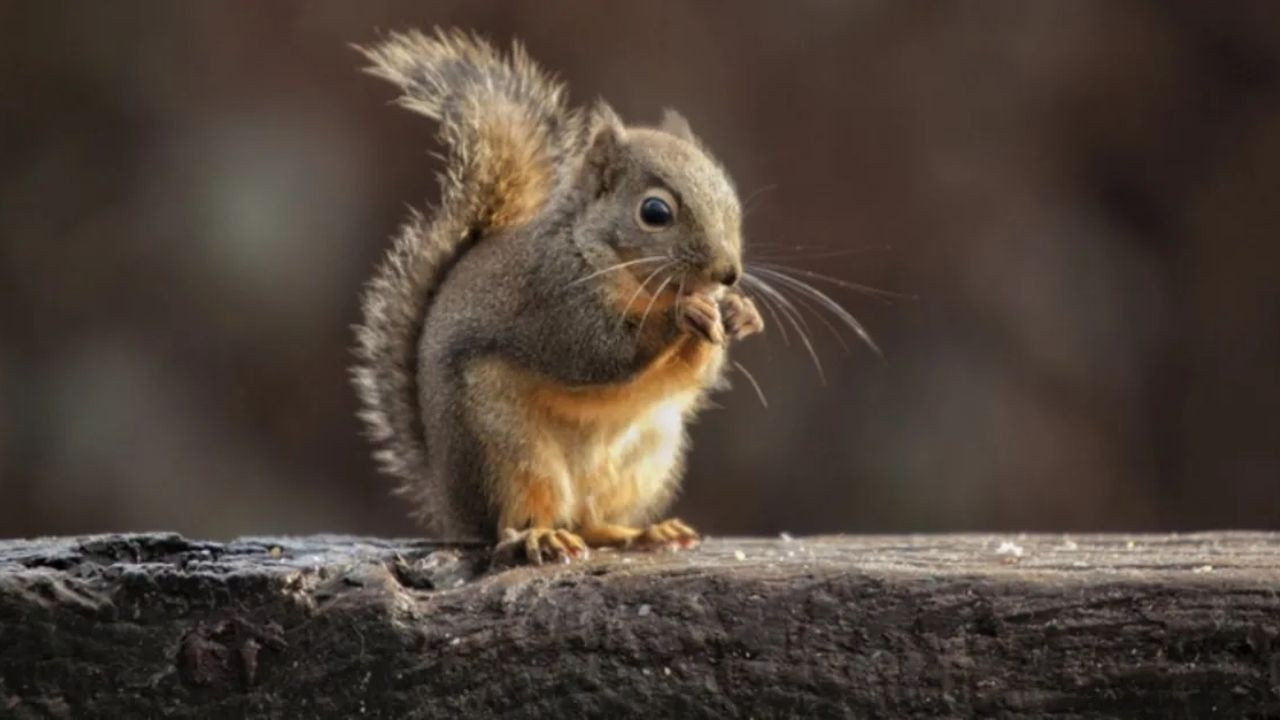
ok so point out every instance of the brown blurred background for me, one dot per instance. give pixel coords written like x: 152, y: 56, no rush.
x: 1084, y: 196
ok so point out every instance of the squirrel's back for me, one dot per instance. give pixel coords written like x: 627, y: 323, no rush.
x: 506, y: 131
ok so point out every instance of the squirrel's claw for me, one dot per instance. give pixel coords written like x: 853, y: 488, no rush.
x: 741, y: 317
x: 700, y: 314
x: 539, y: 545
x: 673, y: 533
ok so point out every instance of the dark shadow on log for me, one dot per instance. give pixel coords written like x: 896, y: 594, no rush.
x: 157, y: 625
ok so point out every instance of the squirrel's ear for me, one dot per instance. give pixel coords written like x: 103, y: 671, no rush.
x: 673, y: 123
x: 605, y: 138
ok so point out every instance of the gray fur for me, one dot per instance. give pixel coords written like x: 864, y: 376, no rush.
x: 488, y: 277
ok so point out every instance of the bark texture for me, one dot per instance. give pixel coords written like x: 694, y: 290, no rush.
x: 157, y: 625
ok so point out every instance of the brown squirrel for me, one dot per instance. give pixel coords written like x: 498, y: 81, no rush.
x: 530, y: 354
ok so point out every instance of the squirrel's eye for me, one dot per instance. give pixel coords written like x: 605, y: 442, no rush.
x: 656, y: 211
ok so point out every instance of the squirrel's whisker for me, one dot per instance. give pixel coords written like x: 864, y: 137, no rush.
x: 825, y: 301
x: 789, y: 306
x: 636, y: 294
x: 807, y: 290
x: 754, y: 384
x: 768, y: 305
x: 786, y: 305
x: 882, y: 295
x: 806, y: 304
x: 787, y: 246
x: 819, y: 255
x: 652, y: 299
x: 800, y: 299
x: 619, y: 266
x: 797, y: 321
x: 746, y: 204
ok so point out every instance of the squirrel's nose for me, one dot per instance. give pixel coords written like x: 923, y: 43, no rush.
x: 727, y: 276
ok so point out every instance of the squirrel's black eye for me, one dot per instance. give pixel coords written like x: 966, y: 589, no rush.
x: 655, y: 212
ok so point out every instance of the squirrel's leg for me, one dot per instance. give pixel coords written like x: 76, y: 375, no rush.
x: 606, y: 535
x: 528, y: 521
x: 672, y: 533
x: 529, y: 503
x: 539, y: 544
x: 526, y: 487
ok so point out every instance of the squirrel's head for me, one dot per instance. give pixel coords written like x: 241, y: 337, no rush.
x: 656, y: 193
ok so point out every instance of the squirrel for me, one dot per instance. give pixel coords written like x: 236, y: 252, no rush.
x: 530, y: 354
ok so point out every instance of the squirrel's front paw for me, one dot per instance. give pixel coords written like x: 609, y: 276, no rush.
x: 540, y: 544
x: 701, y: 315
x: 741, y: 318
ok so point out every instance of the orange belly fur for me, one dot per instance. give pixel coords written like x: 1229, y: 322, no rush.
x: 591, y: 455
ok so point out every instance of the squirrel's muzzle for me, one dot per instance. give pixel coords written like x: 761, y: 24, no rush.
x: 726, y: 275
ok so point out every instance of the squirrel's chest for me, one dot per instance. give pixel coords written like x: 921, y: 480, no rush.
x: 584, y: 455
x: 615, y: 473
x: 614, y: 451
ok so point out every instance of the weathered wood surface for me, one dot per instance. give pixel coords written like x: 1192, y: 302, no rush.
x: 156, y: 625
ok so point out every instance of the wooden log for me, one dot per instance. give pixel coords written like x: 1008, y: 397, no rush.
x: 157, y: 625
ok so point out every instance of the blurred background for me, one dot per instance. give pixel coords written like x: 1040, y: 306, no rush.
x: 1084, y: 198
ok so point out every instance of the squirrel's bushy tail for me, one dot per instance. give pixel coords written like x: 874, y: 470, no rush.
x: 506, y: 131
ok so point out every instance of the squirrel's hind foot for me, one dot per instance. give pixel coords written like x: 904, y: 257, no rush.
x: 672, y: 533
x: 538, y: 545
x: 669, y: 534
